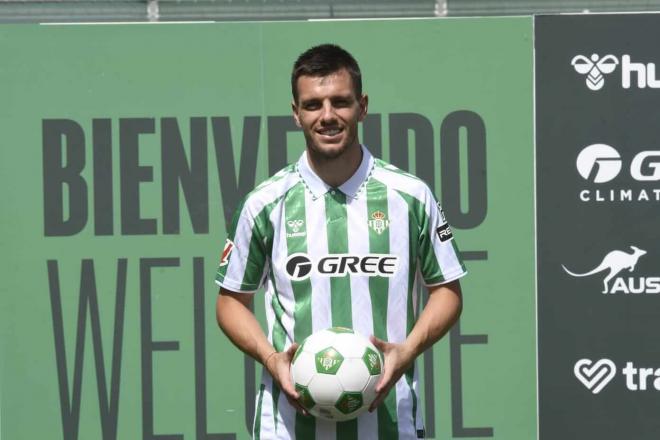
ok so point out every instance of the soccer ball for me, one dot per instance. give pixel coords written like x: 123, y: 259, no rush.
x: 335, y: 371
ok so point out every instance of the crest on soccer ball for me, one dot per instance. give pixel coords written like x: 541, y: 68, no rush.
x: 372, y: 361
x: 328, y: 361
x: 378, y: 222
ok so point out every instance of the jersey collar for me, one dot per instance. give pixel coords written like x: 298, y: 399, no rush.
x: 350, y: 188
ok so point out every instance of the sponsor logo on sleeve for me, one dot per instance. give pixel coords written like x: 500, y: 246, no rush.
x: 226, y: 252
x: 444, y: 232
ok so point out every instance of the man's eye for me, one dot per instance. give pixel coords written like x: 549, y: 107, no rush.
x: 341, y: 103
x: 312, y: 106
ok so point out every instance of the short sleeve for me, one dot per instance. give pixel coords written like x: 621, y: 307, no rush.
x: 439, y: 258
x: 243, y: 261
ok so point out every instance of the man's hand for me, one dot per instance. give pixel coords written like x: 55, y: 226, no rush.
x: 279, y: 367
x: 398, y: 359
x: 239, y: 324
x: 441, y: 311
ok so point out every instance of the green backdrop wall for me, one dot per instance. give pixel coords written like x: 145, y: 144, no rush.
x: 127, y: 146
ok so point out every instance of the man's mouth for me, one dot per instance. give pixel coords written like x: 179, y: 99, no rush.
x: 330, y: 132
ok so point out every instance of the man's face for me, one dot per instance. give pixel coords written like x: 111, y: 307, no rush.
x: 328, y: 112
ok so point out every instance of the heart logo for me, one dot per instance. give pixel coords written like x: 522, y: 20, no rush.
x: 594, y: 375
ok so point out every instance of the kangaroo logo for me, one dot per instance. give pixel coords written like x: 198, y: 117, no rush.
x: 615, y: 262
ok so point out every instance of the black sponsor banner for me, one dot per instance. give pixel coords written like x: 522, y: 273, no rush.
x: 598, y: 210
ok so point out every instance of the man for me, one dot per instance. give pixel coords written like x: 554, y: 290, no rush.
x: 337, y: 200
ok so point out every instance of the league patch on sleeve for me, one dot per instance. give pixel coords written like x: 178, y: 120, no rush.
x: 229, y: 246
x: 444, y: 232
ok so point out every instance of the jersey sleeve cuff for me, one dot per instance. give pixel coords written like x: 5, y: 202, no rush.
x: 233, y: 286
x: 446, y: 278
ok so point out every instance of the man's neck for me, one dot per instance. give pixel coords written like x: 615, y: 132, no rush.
x: 337, y: 170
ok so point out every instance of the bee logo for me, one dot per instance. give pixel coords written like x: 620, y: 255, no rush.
x: 295, y: 225
x: 295, y: 228
x: 594, y: 67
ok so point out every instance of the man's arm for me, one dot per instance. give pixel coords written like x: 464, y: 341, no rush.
x: 440, y: 313
x: 237, y: 321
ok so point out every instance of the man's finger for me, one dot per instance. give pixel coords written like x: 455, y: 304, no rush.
x: 297, y: 406
x: 287, y: 385
x: 376, y: 403
x: 289, y: 390
x: 292, y: 349
x: 379, y: 343
x: 384, y: 380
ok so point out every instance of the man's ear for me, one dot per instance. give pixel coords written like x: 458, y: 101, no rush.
x: 364, y: 105
x: 294, y: 109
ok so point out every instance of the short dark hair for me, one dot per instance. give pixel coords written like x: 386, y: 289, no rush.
x: 323, y: 60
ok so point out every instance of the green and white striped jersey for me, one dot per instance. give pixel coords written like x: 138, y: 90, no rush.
x: 354, y: 256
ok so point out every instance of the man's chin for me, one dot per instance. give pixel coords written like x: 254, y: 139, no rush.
x: 328, y: 151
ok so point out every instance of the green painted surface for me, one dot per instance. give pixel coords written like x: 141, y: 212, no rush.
x: 428, y: 67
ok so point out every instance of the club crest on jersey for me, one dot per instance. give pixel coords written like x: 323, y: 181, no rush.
x: 229, y: 246
x: 378, y: 222
x: 293, y: 228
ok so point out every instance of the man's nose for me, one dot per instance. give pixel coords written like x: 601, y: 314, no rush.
x: 328, y: 112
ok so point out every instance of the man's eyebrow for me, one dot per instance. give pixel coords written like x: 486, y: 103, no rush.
x: 331, y: 97
x: 309, y: 101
